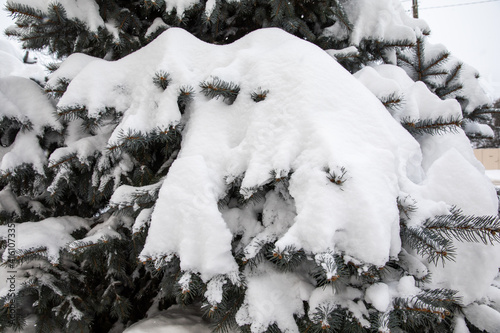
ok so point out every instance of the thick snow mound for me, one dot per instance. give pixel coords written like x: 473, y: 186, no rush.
x: 308, y: 122
x: 316, y: 118
x: 11, y: 59
x: 51, y: 235
x: 23, y: 101
x: 346, y: 159
x: 174, y: 320
x: 450, y: 167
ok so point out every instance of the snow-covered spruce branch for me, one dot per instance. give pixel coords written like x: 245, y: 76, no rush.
x: 259, y: 95
x: 186, y: 94
x: 439, y: 125
x: 393, y: 101
x: 466, y: 228
x: 427, y: 243
x: 132, y: 141
x: 58, y: 90
x: 336, y: 176
x: 435, y: 62
x: 24, y: 12
x: 216, y: 87
x: 162, y: 79
x: 428, y: 305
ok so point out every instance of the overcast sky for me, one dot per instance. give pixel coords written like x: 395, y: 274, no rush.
x: 470, y: 29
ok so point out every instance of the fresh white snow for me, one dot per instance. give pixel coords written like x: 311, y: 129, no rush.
x: 316, y: 118
x: 316, y: 121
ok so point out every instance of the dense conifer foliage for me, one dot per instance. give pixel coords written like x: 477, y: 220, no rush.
x: 311, y: 178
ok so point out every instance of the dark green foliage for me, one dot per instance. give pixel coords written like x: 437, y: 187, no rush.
x: 259, y: 95
x: 452, y: 85
x: 102, y: 279
x: 185, y: 96
x: 223, y: 315
x: 432, y: 126
x: 338, y: 272
x: 447, y: 82
x: 215, y: 88
x: 162, y: 79
x: 427, y: 243
x: 419, y: 67
x: 9, y: 127
x: 466, y: 228
x: 426, y: 309
x: 59, y: 89
x: 393, y: 101
x: 227, y: 22
x: 288, y: 259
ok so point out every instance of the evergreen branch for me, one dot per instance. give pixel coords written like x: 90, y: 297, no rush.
x: 427, y: 243
x: 259, y: 95
x: 162, y: 79
x: 454, y: 73
x: 224, y: 313
x: 72, y: 112
x: 466, y: 228
x: 185, y: 97
x: 121, y: 308
x: 65, y: 160
x: 57, y: 10
x: 436, y: 72
x: 346, y: 56
x: 288, y: 259
x: 341, y: 15
x: 419, y: 54
x: 337, y: 177
x: 217, y: 87
x: 60, y: 88
x: 432, y: 126
x: 440, y: 303
x: 31, y: 254
x: 330, y: 269
x: 393, y: 101
x: 444, y: 92
x: 484, y: 109
x: 406, y: 208
x: 437, y: 61
x: 24, y: 11
x: 402, y: 43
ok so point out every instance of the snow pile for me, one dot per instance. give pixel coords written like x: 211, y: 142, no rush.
x: 23, y: 101
x: 11, y: 59
x: 338, y: 159
x: 273, y: 297
x: 175, y: 320
x: 449, y: 167
x: 250, y: 140
x: 49, y: 235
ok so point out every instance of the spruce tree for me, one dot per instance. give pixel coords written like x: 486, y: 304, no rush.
x: 131, y: 213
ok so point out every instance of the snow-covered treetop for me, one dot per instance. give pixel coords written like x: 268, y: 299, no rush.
x: 378, y: 20
x: 244, y: 173
x: 315, y: 126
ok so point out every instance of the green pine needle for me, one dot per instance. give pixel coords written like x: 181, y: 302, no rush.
x: 466, y: 228
x: 162, y: 79
x: 216, y: 88
x: 438, y: 126
x: 259, y: 95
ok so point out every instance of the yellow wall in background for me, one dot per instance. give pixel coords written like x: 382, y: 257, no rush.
x: 490, y: 157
